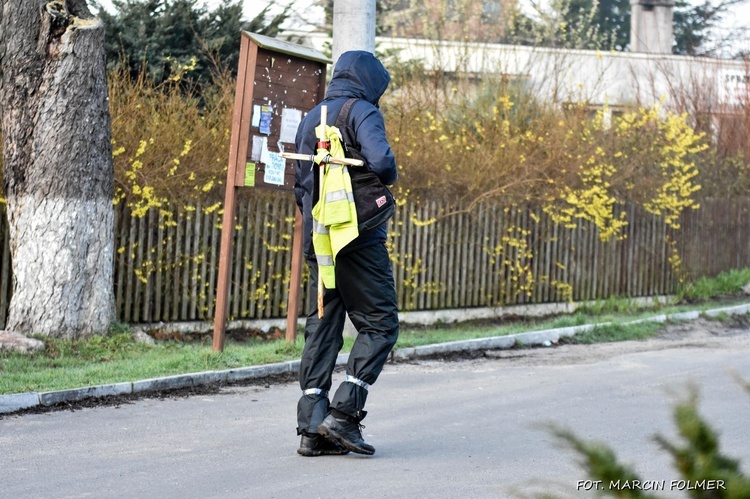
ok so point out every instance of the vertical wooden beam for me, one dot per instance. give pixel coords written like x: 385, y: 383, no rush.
x: 240, y: 131
x: 256, y: 308
x: 120, y: 268
x: 187, y: 267
x: 160, y: 262
x: 444, y: 238
x: 138, y: 266
x: 129, y: 274
x: 262, y: 302
x: 211, y: 291
x: 147, y: 314
x: 225, y: 256
x: 179, y: 256
x: 278, y: 256
x: 236, y: 265
x: 294, y: 282
x: 206, y: 248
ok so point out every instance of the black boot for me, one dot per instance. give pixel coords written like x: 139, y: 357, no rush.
x: 345, y: 430
x: 317, y: 445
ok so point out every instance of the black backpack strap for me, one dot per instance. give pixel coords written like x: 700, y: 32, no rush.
x: 343, y: 118
x: 348, y: 137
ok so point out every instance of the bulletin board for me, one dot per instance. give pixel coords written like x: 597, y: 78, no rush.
x: 277, y: 84
x: 288, y: 80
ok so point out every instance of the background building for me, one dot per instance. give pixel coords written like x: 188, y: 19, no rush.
x: 708, y: 89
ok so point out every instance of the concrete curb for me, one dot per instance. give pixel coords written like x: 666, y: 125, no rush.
x: 17, y: 401
x: 532, y: 338
x: 20, y: 401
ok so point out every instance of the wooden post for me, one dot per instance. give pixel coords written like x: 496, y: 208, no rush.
x: 294, y: 284
x: 225, y: 258
x: 237, y: 150
x: 321, y: 174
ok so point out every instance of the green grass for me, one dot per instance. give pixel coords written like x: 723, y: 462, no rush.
x: 705, y: 288
x: 117, y: 357
x: 112, y: 359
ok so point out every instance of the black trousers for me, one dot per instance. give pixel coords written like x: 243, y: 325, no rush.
x: 366, y: 291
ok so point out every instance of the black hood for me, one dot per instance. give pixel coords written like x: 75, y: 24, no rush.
x: 358, y: 74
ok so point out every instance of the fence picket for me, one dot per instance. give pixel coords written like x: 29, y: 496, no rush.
x: 165, y: 268
x: 637, y: 252
x: 178, y: 258
x: 213, y: 268
x: 159, y: 263
x: 429, y: 258
x: 419, y: 262
x: 265, y: 259
x: 129, y: 285
x: 256, y: 261
x: 205, y: 250
x: 280, y: 252
x: 444, y: 237
x: 150, y: 256
x: 120, y: 261
x: 196, y: 256
x: 140, y: 265
x: 533, y: 239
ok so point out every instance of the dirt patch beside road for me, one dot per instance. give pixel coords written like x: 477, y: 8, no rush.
x: 701, y: 333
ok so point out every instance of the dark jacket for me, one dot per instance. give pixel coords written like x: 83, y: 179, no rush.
x: 357, y: 74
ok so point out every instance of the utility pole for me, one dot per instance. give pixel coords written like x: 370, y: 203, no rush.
x: 353, y: 26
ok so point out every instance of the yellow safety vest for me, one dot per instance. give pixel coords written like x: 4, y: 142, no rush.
x: 334, y: 215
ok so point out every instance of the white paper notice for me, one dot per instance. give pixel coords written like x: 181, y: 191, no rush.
x: 258, y: 144
x: 290, y: 119
x: 256, y: 116
x: 275, y: 169
x: 275, y: 166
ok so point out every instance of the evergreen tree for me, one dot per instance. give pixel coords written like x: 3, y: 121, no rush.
x: 695, y: 27
x: 589, y: 24
x: 613, y: 17
x: 180, y: 39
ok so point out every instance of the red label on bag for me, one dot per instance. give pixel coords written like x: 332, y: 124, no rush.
x: 380, y: 201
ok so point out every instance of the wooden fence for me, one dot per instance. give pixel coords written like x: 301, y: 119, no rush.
x: 165, y: 268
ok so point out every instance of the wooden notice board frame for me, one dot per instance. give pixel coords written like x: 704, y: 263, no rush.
x: 277, y: 83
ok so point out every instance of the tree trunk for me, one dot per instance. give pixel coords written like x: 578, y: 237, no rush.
x: 58, y: 167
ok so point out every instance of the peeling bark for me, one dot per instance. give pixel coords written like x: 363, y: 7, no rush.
x: 58, y: 167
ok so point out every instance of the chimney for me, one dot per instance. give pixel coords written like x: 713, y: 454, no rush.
x: 651, y: 26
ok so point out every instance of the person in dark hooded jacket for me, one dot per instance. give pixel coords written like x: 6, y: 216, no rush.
x: 364, y: 279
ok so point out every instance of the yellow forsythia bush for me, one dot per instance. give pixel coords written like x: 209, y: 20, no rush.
x: 575, y: 163
x: 169, y: 144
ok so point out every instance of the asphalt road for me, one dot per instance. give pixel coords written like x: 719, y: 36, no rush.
x: 468, y: 428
